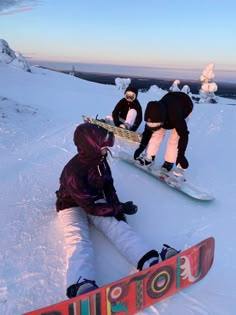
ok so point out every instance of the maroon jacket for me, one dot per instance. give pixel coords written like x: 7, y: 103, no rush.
x: 87, y: 177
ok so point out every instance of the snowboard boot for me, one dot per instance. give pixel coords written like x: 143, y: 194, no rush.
x: 80, y: 288
x: 168, y: 252
x: 144, y: 161
x: 179, y: 171
x: 151, y: 258
x: 167, y: 166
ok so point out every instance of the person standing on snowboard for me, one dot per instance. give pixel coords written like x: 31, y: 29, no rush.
x: 171, y: 112
x: 87, y: 196
x: 128, y: 113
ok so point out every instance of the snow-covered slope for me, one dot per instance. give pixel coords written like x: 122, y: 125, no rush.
x: 39, y: 111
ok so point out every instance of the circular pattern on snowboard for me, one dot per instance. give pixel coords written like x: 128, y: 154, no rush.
x: 160, y: 282
x: 117, y: 292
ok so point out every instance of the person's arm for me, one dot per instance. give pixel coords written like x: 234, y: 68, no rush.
x: 116, y: 113
x: 146, y: 136
x: 77, y: 188
x: 110, y: 193
x: 84, y: 199
x: 182, y: 130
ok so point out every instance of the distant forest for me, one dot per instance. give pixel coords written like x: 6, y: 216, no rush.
x: 225, y: 89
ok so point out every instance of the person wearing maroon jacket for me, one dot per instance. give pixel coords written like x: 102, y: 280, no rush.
x: 128, y: 113
x: 171, y: 112
x: 87, y: 195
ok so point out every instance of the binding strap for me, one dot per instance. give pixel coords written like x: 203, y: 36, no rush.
x: 151, y: 254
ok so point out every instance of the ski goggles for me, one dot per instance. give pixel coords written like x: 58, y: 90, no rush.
x: 129, y: 95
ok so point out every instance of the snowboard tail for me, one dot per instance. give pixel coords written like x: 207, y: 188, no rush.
x: 119, y: 132
x: 180, y: 185
x: 142, y: 289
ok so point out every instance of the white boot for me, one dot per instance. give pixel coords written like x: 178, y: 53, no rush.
x: 179, y: 171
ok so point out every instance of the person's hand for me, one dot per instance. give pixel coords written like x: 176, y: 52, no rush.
x: 129, y: 208
x: 121, y: 217
x: 181, y: 159
x: 138, y: 151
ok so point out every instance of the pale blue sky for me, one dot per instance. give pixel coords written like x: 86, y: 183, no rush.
x: 176, y: 34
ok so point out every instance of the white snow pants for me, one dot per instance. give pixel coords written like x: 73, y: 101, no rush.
x: 171, y: 147
x: 130, y: 118
x: 80, y: 255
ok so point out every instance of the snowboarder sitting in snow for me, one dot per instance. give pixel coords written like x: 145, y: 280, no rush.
x: 127, y: 113
x: 171, y: 112
x: 87, y: 195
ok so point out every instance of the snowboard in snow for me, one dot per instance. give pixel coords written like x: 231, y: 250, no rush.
x: 140, y: 290
x: 119, y: 132
x: 179, y: 184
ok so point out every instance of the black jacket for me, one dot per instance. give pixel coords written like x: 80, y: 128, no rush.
x: 123, y: 106
x: 172, y: 110
x: 121, y: 109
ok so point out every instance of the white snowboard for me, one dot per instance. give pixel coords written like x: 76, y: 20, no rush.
x: 170, y: 179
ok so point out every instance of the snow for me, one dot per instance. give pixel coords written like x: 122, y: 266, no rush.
x: 9, y: 56
x: 39, y: 112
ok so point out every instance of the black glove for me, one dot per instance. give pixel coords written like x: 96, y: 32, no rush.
x: 129, y: 208
x: 139, y: 151
x: 121, y: 217
x: 181, y: 159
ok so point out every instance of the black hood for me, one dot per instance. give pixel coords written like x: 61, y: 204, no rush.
x: 89, y: 139
x: 132, y: 89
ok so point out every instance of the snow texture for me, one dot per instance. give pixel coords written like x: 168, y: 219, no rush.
x: 39, y: 111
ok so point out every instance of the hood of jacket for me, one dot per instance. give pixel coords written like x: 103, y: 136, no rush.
x: 89, y: 139
x: 132, y: 89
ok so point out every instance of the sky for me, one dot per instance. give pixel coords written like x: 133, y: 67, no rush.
x: 149, y: 34
x: 39, y: 112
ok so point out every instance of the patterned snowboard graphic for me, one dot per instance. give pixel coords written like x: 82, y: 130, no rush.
x: 119, y: 132
x: 140, y: 290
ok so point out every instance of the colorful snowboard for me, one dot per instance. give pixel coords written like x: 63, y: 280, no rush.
x: 171, y: 180
x: 119, y: 132
x: 142, y: 289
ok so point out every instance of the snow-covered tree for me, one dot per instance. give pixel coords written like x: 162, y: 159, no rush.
x: 156, y: 91
x: 6, y: 53
x: 186, y: 89
x: 122, y: 83
x: 20, y: 62
x: 208, y: 87
x: 10, y: 57
x: 174, y: 87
